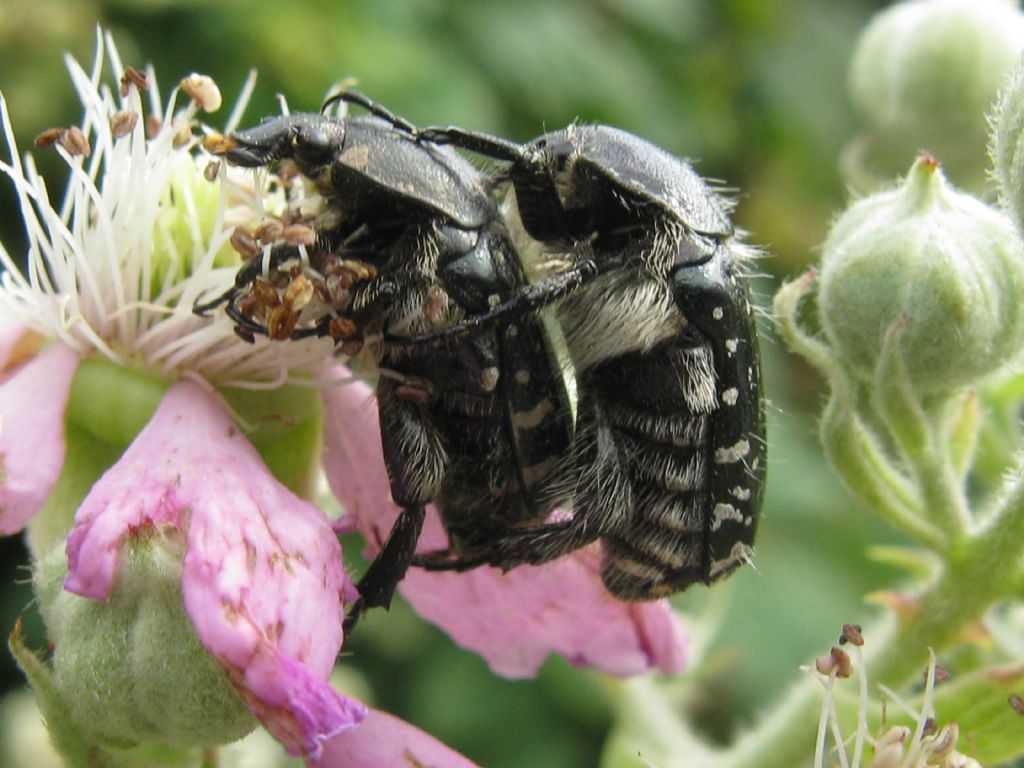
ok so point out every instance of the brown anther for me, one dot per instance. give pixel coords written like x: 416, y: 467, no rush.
x: 943, y: 743
x: 243, y: 242
x: 49, y: 137
x: 265, y: 293
x: 851, y: 634
x: 1017, y: 703
x: 299, y: 234
x: 281, y: 322
x: 75, y: 143
x: 269, y: 231
x: 360, y: 269
x: 249, y: 306
x: 133, y: 76
x: 153, y: 125
x: 203, y: 91
x: 299, y: 293
x: 211, y: 170
x: 342, y: 328
x: 123, y: 123
x: 837, y: 663
x: 930, y: 726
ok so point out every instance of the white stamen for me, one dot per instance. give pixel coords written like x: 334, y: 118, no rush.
x: 136, y: 240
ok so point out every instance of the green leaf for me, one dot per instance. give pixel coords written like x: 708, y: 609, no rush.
x: 991, y: 731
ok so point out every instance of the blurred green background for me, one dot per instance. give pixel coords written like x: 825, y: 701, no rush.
x: 753, y: 92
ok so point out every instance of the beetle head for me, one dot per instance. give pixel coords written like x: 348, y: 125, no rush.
x: 311, y: 140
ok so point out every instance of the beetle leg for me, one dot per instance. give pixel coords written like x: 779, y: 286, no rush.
x: 529, y: 299
x: 224, y: 298
x: 242, y: 322
x: 377, y: 586
x: 474, y: 141
x: 443, y: 560
x: 415, y: 461
x: 371, y: 106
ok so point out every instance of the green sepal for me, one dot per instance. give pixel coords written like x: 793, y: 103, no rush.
x: 119, y: 663
x: 286, y: 427
x: 65, y: 736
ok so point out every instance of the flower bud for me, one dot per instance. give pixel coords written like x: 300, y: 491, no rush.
x: 131, y: 669
x: 924, y: 75
x: 946, y: 268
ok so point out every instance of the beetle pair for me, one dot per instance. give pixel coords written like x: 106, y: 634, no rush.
x: 663, y: 461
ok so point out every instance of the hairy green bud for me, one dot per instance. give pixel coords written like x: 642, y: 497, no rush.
x: 131, y: 669
x: 925, y: 74
x: 940, y: 264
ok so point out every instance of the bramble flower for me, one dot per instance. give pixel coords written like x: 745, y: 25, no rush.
x: 160, y: 466
x: 180, y: 505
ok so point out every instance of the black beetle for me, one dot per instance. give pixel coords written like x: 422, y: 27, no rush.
x: 670, y: 430
x: 481, y: 426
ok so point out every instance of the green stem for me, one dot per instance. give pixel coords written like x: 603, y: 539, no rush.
x: 922, y: 435
x: 855, y: 455
x: 851, y: 448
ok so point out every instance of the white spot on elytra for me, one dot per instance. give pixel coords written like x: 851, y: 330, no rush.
x: 533, y: 417
x: 724, y: 512
x: 740, y: 493
x: 732, y: 345
x: 739, y: 554
x: 732, y: 454
x: 718, y: 313
x: 730, y: 396
x: 523, y: 376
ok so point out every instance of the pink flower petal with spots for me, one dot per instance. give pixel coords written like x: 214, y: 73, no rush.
x: 383, y: 741
x: 32, y: 444
x: 513, y: 620
x: 262, y: 572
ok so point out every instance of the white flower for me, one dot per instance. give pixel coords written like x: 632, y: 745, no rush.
x: 117, y: 265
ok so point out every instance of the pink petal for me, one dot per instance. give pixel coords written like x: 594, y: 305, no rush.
x: 32, y: 446
x: 513, y: 620
x: 352, y: 457
x: 383, y: 741
x: 262, y: 573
